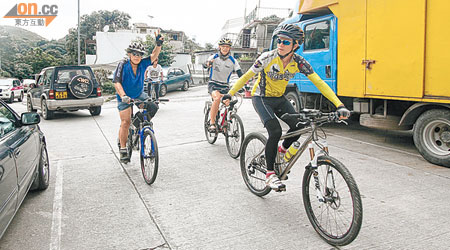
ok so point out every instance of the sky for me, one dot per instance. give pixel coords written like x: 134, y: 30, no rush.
x: 199, y: 19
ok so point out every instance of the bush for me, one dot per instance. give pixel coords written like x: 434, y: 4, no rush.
x: 108, y: 88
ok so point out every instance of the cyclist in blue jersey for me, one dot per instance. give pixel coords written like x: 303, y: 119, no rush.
x: 129, y: 83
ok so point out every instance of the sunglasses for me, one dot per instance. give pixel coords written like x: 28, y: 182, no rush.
x: 137, y: 54
x: 285, y: 42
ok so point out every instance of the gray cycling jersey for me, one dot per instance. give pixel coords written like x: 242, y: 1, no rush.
x: 221, y: 69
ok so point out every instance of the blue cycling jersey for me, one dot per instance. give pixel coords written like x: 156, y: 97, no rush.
x: 132, y: 84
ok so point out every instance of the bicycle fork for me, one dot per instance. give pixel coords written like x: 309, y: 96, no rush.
x: 329, y: 178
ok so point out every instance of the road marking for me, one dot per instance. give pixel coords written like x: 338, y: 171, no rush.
x: 55, y: 243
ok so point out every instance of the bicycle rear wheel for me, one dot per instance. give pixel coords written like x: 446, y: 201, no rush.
x: 337, y: 218
x: 149, y: 157
x: 253, y: 164
x: 211, y: 136
x: 234, y: 136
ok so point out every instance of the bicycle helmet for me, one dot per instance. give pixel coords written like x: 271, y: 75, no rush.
x: 225, y: 41
x: 291, y: 31
x: 136, y: 47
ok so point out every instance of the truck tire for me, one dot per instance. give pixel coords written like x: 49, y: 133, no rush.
x: 293, y: 99
x: 432, y: 136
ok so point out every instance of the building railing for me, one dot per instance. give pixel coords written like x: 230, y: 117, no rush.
x: 259, y: 13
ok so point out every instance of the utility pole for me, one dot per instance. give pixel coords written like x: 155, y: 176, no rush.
x: 79, y: 61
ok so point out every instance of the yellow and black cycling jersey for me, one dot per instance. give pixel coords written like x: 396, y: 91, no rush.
x: 273, y: 76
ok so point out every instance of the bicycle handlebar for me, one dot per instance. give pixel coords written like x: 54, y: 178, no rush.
x: 307, y: 116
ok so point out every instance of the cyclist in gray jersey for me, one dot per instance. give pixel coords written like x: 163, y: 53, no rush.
x: 221, y: 65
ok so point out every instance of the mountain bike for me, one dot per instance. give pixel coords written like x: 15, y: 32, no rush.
x: 330, y: 195
x: 228, y: 123
x: 141, y: 136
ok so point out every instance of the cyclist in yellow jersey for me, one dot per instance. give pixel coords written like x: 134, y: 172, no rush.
x: 275, y: 69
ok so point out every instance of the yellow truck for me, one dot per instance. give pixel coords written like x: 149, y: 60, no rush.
x: 386, y: 59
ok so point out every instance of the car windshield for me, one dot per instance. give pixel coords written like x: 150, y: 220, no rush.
x: 66, y: 75
x: 5, y: 82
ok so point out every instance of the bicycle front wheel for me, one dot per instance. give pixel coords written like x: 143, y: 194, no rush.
x: 253, y: 164
x: 335, y: 211
x: 211, y: 136
x: 234, y: 136
x: 149, y: 157
x: 129, y: 143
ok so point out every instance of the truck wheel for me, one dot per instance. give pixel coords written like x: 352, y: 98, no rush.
x: 432, y: 136
x: 293, y: 99
x: 20, y: 97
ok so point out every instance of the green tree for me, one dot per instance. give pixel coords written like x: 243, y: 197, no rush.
x: 23, y: 70
x: 37, y: 59
x: 166, y: 56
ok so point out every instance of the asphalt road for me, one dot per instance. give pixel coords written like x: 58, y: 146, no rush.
x: 199, y: 200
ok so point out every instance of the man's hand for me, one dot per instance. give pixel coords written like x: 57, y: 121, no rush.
x: 126, y: 99
x: 226, y: 99
x: 159, y: 39
x: 343, y: 112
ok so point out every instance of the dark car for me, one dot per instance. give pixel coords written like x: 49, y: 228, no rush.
x: 174, y: 78
x: 65, y: 88
x: 24, y: 163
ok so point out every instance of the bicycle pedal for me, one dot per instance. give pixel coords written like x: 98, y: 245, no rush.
x: 279, y: 190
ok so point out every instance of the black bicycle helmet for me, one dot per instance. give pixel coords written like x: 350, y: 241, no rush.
x: 225, y: 41
x: 290, y: 30
x: 136, y: 47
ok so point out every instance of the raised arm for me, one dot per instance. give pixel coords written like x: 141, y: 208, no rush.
x: 157, y: 49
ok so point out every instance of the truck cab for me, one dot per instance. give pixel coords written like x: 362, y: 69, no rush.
x: 385, y: 63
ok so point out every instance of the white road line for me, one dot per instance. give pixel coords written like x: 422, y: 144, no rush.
x: 55, y: 243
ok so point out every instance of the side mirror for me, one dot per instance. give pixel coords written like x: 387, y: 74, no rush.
x: 30, y: 118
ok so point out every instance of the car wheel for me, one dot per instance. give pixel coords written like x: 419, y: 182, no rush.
x: 11, y: 98
x: 46, y: 114
x: 20, y: 97
x: 42, y: 179
x: 162, y: 90
x: 95, y: 110
x: 30, y: 105
x: 185, y: 86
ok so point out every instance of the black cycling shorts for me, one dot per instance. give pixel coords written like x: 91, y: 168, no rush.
x: 221, y: 88
x: 269, y: 108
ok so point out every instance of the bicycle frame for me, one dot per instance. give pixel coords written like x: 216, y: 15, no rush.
x: 308, y: 143
x: 144, y: 125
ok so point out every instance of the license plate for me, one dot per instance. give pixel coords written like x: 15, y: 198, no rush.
x: 61, y: 95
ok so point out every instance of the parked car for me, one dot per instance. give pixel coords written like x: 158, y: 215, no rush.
x: 65, y: 88
x: 174, y: 78
x: 10, y: 89
x: 24, y: 163
x: 27, y: 84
